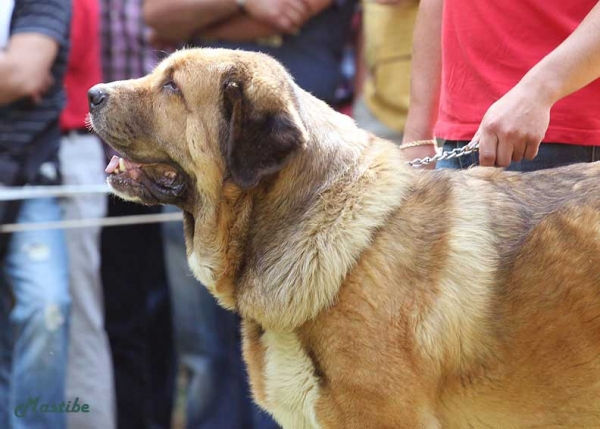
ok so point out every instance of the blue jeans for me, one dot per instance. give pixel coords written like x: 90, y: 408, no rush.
x: 34, y: 332
x: 550, y: 155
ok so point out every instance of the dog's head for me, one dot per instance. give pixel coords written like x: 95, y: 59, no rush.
x: 273, y: 183
x: 202, y: 117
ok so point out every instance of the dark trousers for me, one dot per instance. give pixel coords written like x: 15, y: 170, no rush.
x: 550, y: 155
x: 138, y: 319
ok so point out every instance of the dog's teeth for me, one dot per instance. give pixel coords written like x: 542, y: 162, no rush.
x: 122, y: 164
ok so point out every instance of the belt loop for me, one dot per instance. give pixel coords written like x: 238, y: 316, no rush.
x: 593, y: 153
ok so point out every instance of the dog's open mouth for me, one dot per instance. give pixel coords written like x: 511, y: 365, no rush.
x: 152, y: 183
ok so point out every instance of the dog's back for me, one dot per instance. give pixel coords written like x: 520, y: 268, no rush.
x: 538, y: 363
x: 476, y: 306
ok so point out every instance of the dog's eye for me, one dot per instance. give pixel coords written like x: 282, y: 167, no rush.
x: 171, y: 86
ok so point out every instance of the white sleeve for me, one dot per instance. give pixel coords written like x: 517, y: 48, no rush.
x: 6, y: 8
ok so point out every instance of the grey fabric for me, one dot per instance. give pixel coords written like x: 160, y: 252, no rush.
x: 89, y: 372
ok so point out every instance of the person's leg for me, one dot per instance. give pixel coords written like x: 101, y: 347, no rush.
x: 90, y: 373
x: 201, y: 328
x: 6, y: 352
x: 161, y: 358
x: 135, y: 290
x: 187, y: 322
x: 125, y: 312
x: 227, y: 404
x: 202, y: 360
x: 36, y: 270
x: 220, y: 382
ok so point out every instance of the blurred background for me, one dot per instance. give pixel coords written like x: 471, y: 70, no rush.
x: 98, y: 306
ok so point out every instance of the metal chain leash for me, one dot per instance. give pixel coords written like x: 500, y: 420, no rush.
x: 454, y: 153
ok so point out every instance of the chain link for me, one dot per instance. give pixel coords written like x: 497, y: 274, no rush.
x: 454, y: 153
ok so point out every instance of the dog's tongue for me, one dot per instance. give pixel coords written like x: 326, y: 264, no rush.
x: 120, y: 165
x: 112, y: 165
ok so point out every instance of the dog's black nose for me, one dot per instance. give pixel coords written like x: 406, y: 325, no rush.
x: 96, y: 97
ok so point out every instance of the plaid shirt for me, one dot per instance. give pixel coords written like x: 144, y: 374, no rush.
x: 126, y: 53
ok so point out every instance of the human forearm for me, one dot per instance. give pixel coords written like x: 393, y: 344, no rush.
x: 569, y: 67
x: 25, y: 67
x: 426, y: 72
x: 10, y: 90
x: 317, y: 6
x: 287, y: 16
x: 515, y: 125
x: 251, y: 26
x: 239, y: 29
x: 177, y: 20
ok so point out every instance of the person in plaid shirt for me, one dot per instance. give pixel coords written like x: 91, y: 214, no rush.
x: 136, y: 293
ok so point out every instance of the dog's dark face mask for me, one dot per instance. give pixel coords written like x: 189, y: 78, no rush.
x: 203, y: 117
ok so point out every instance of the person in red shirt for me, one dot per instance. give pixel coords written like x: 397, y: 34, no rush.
x: 89, y: 370
x: 528, y: 68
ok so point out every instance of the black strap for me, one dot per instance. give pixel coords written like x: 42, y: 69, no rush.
x: 39, y: 151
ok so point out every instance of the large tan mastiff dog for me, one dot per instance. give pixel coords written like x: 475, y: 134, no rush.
x: 373, y: 295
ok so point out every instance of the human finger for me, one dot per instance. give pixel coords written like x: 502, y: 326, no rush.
x: 518, y: 152
x: 475, y: 140
x: 305, y: 4
x: 531, y: 150
x: 504, y: 152
x: 302, y: 7
x: 285, y: 24
x: 296, y: 17
x: 37, y: 98
x: 488, y: 145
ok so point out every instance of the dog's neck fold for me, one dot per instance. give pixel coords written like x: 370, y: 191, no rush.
x: 300, y: 236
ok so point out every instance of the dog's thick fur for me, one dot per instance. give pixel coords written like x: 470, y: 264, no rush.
x: 373, y: 295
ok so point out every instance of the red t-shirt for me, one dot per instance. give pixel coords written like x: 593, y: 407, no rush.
x: 488, y: 46
x: 83, y: 70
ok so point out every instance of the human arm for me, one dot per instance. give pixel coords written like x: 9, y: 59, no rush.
x: 25, y: 67
x: 38, y: 29
x: 246, y: 27
x: 178, y: 20
x: 395, y: 2
x: 287, y: 16
x: 425, y: 78
x: 514, y: 126
x: 239, y: 29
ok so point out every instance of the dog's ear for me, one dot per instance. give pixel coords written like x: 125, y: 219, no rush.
x: 264, y: 131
